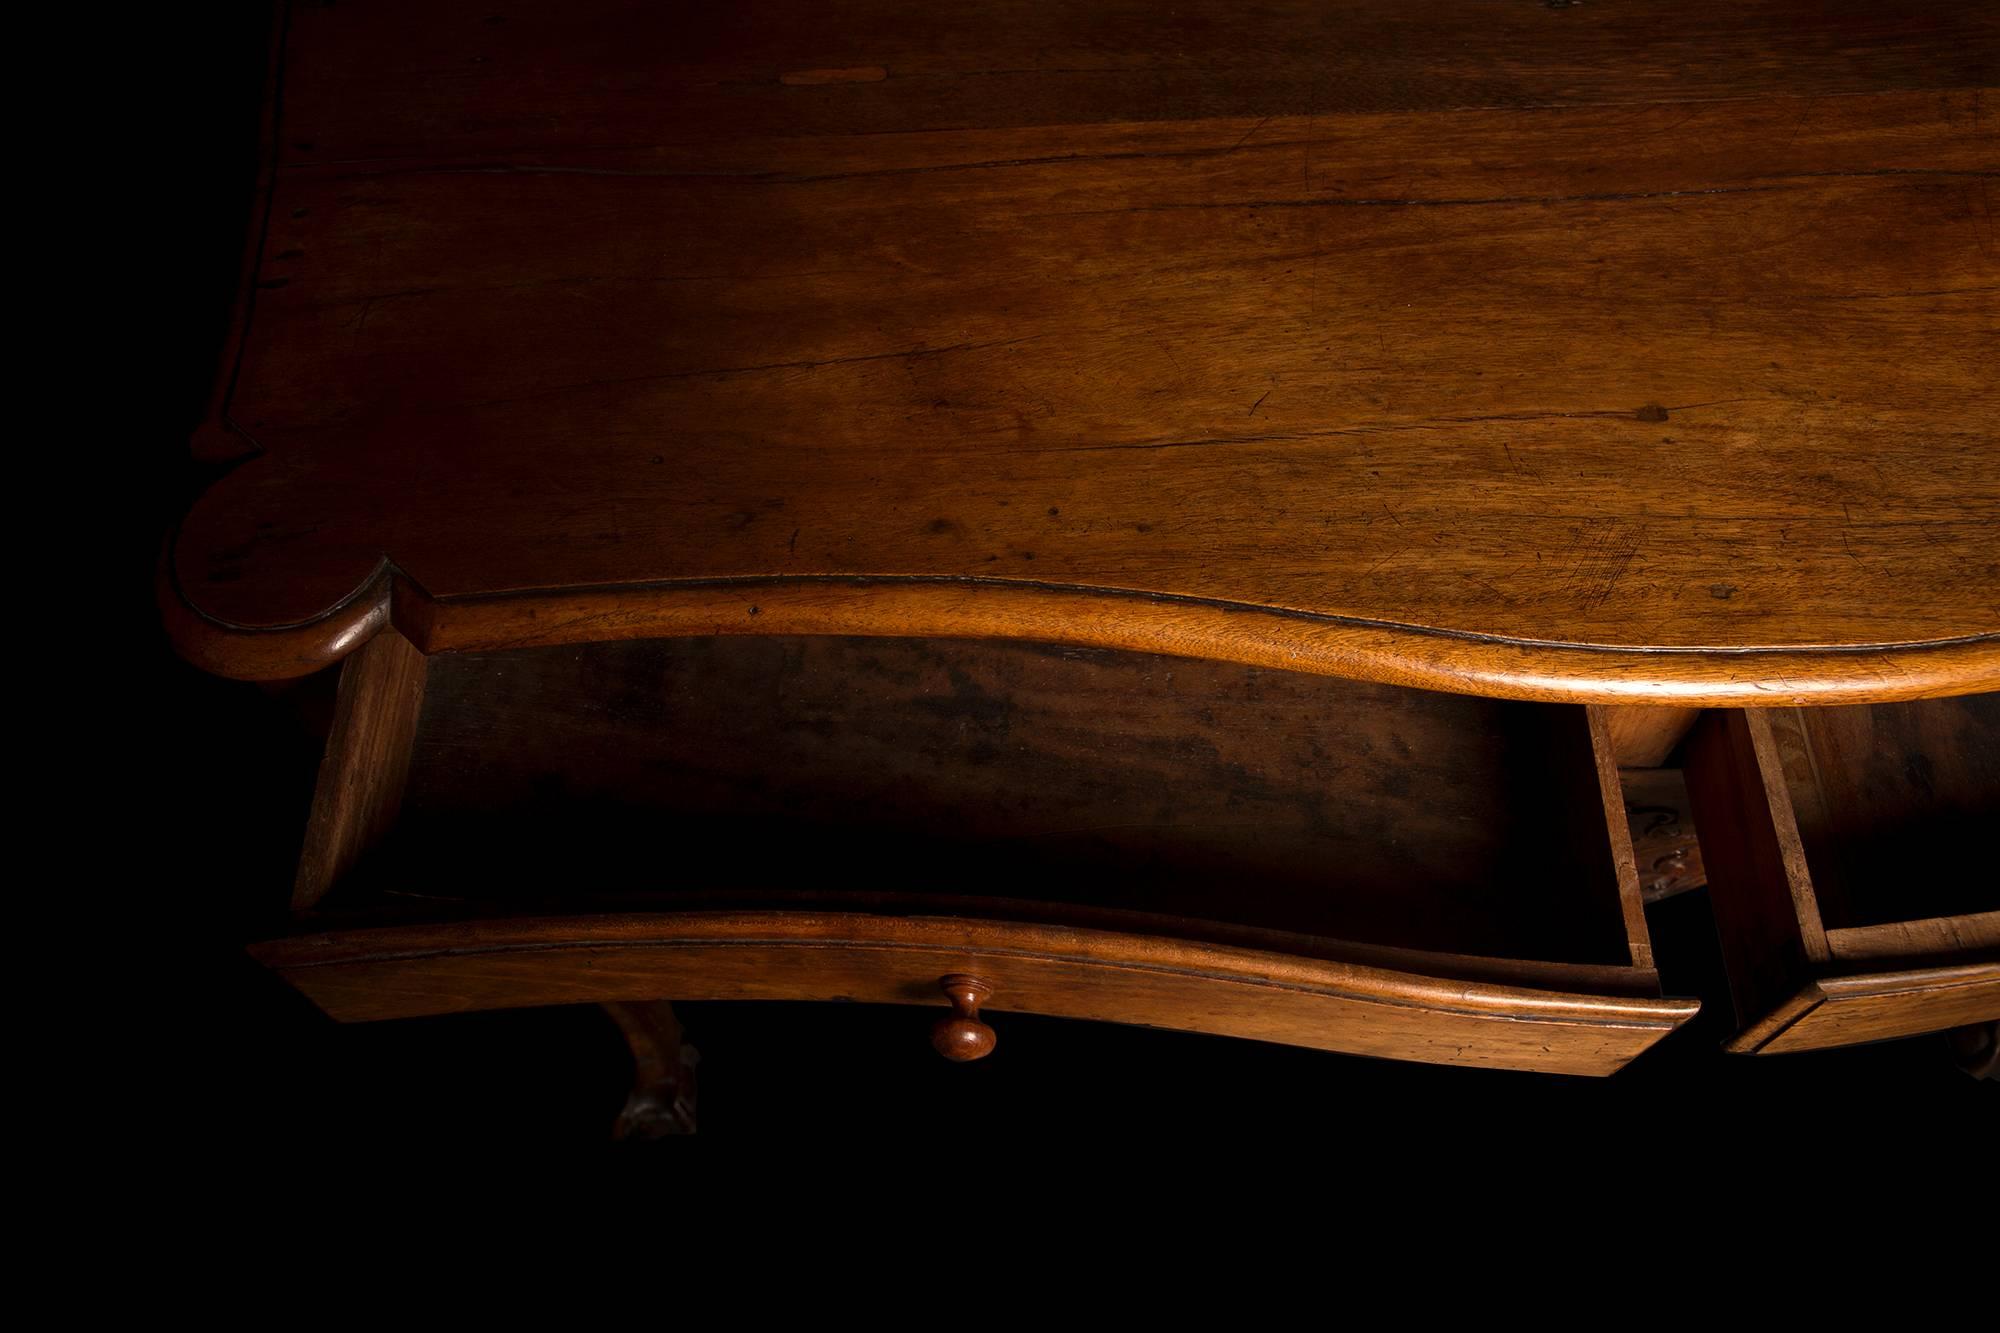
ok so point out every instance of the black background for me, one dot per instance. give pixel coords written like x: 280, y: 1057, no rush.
x: 221, y: 797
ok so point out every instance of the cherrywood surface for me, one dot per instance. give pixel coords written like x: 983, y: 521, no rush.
x: 1947, y: 935
x: 1643, y: 737
x: 1842, y: 1011
x: 395, y: 972
x: 1576, y: 855
x: 1765, y: 916
x: 607, y: 776
x: 366, y: 765
x: 1608, y: 351
x: 1846, y: 851
x: 1897, y: 806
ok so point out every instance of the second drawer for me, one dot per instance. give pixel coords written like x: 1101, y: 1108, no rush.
x: 1849, y: 858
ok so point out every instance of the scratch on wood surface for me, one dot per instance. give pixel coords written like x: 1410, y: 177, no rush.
x: 1539, y: 200
x: 1604, y: 549
x: 808, y: 78
x: 1250, y: 133
x: 1363, y: 428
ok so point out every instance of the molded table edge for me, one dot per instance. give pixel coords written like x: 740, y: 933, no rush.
x: 1261, y: 636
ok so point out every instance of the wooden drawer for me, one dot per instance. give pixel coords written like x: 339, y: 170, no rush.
x: 1850, y: 861
x: 1108, y: 835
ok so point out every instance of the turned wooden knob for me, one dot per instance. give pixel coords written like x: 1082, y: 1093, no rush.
x: 963, y: 1036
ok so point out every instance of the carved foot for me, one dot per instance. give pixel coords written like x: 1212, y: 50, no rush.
x: 1976, y: 1048
x: 662, y: 1101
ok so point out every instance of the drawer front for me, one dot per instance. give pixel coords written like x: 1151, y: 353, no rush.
x: 1845, y: 1011
x: 402, y: 972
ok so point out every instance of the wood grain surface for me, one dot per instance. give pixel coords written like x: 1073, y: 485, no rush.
x: 1766, y: 918
x: 1844, y: 1011
x: 1072, y: 784
x: 1613, y: 351
x: 1846, y: 852
x: 1189, y: 844
x: 397, y: 972
x: 1897, y: 807
x: 1643, y: 737
x: 359, y: 792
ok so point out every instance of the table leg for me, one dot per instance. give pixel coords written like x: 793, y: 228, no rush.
x: 663, y: 1084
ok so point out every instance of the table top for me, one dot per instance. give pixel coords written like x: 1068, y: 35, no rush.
x: 1615, y: 351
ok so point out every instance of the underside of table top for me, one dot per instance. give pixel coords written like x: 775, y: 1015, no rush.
x: 1612, y: 351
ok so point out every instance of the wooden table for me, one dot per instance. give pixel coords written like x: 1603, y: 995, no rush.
x: 1185, y: 398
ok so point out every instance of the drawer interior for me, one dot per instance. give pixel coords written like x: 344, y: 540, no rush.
x: 1896, y: 805
x: 619, y: 775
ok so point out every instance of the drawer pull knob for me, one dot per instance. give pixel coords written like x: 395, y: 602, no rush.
x: 963, y: 1036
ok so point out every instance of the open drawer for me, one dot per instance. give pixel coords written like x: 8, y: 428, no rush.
x: 1850, y: 863
x: 1109, y: 835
